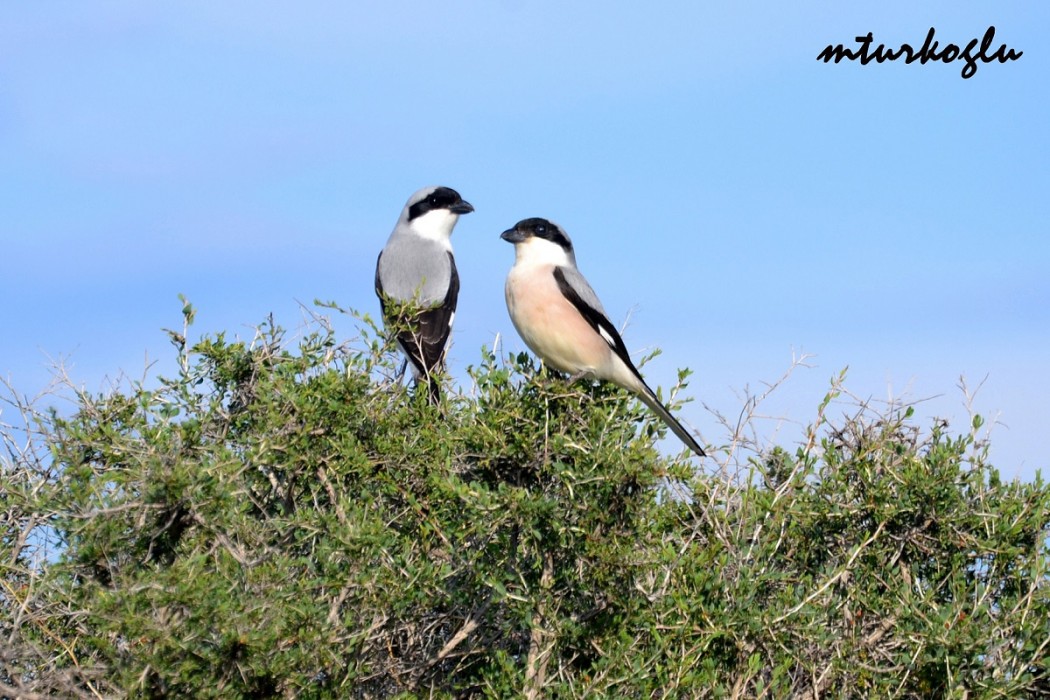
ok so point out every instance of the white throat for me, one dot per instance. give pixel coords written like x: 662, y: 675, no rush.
x: 540, y: 251
x: 435, y: 225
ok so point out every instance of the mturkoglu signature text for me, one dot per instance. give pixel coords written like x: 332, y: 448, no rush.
x: 928, y: 52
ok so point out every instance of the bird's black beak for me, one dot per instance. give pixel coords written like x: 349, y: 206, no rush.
x: 513, y: 235
x: 461, y: 207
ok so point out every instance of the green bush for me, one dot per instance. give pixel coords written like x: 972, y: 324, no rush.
x: 284, y: 519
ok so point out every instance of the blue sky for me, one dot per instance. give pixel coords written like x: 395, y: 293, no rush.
x: 737, y: 199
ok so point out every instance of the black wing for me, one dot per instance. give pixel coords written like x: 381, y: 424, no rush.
x: 379, y: 285
x: 604, y: 328
x: 596, y: 319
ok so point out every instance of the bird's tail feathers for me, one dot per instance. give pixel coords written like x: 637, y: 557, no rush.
x: 648, y: 397
x: 429, y: 380
x: 420, y: 374
x: 433, y: 388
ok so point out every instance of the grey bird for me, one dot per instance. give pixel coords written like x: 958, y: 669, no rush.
x: 560, y: 318
x: 416, y: 273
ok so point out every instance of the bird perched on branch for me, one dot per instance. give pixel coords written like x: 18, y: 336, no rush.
x: 417, y: 283
x: 559, y: 316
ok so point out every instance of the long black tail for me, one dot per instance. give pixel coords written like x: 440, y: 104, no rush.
x: 650, y: 400
x: 423, y: 375
x: 433, y: 388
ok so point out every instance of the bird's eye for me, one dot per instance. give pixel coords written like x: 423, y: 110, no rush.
x: 541, y: 229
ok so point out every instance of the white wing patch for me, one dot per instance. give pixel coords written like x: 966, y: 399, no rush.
x: 605, y: 336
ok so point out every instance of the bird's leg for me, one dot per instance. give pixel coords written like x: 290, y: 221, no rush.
x: 576, y: 376
x: 551, y: 375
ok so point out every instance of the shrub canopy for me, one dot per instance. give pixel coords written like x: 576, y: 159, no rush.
x: 283, y: 518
